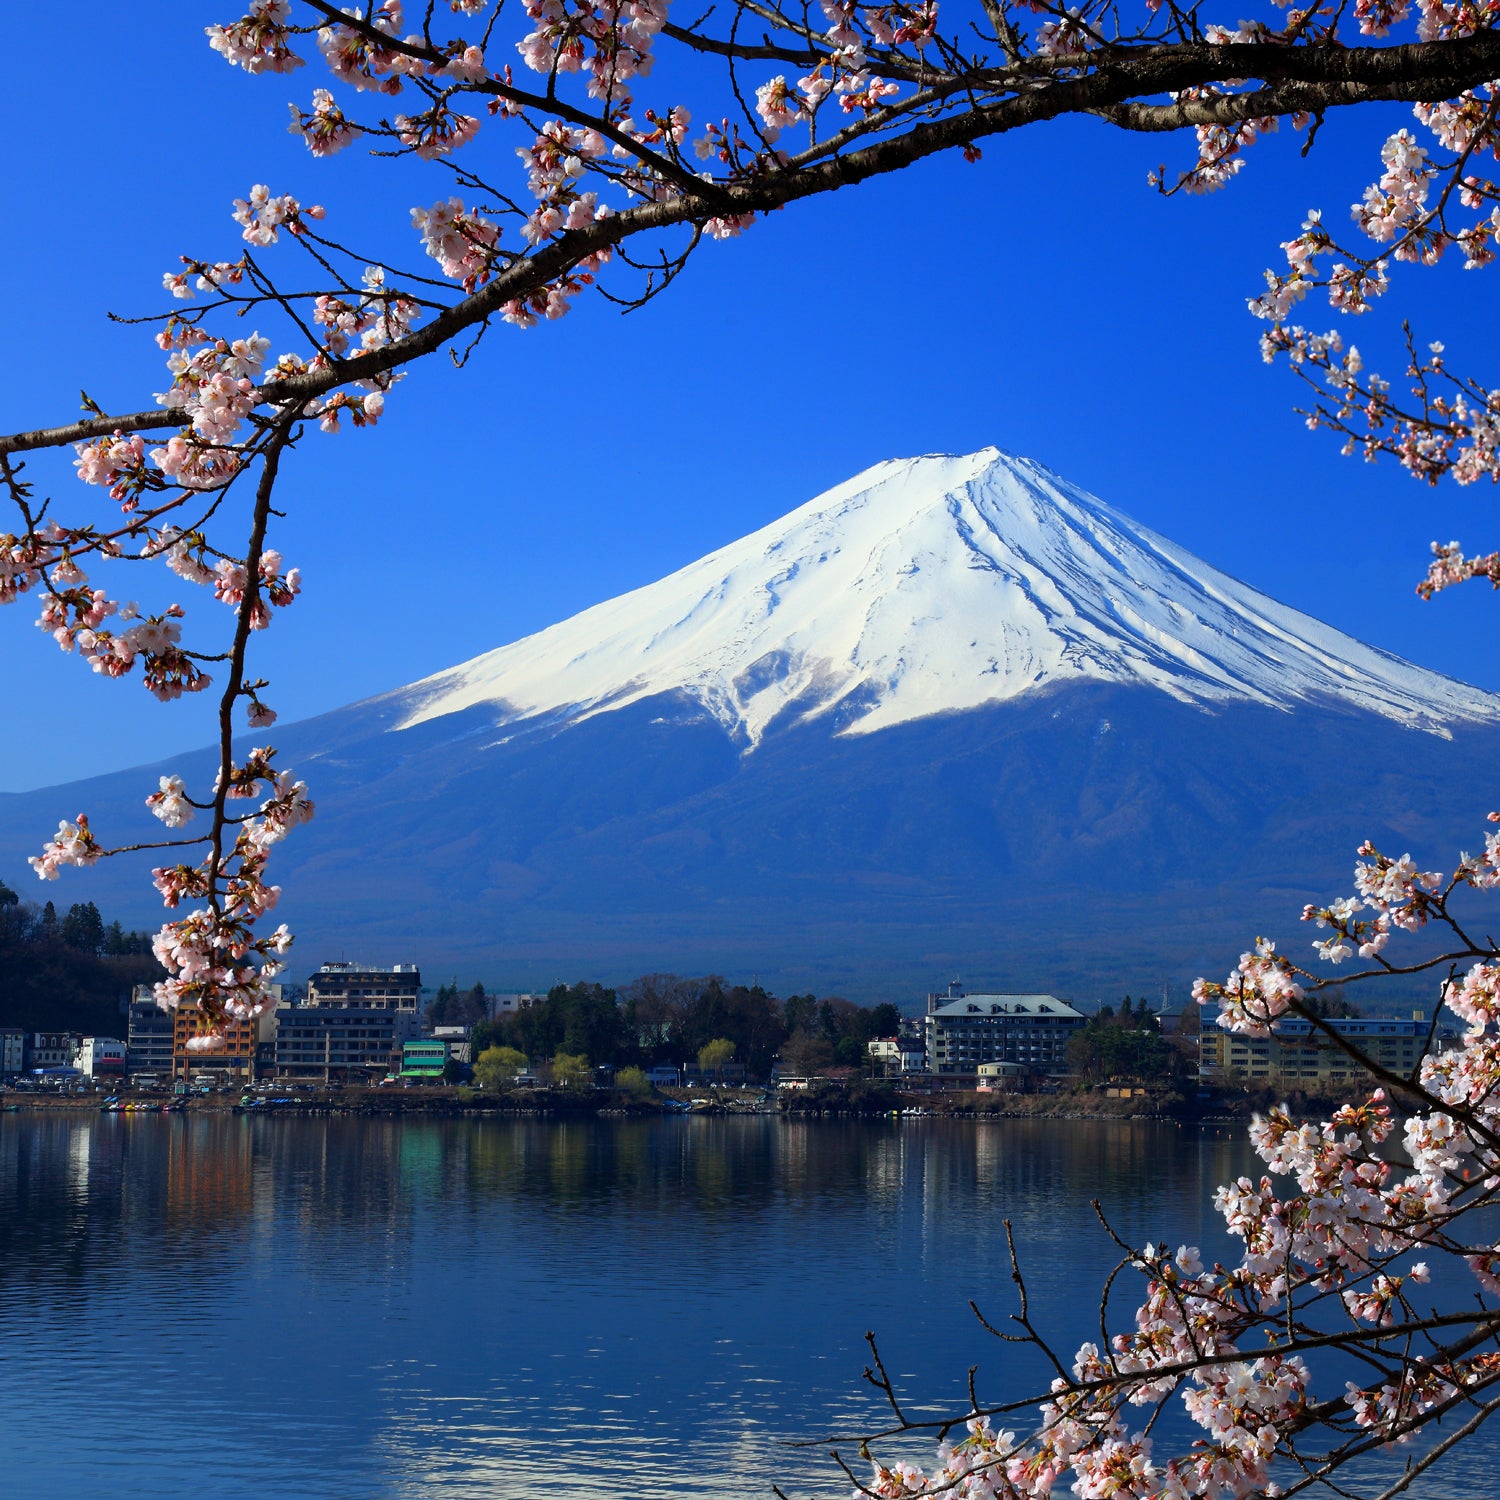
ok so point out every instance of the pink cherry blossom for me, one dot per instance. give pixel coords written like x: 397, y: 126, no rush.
x: 259, y: 43
x: 170, y: 803
x: 323, y: 128
x: 72, y: 844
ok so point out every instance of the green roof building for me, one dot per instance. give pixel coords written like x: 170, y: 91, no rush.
x: 424, y: 1059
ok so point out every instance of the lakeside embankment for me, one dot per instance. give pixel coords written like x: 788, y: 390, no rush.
x: 863, y: 1101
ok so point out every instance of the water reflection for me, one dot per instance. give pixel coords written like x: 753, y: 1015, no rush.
x: 504, y: 1308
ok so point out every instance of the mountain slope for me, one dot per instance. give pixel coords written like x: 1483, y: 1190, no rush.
x: 954, y: 716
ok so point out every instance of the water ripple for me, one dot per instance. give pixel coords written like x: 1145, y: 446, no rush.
x: 321, y: 1309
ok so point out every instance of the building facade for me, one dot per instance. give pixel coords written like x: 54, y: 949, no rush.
x: 731, y: 1073
x: 965, y: 1031
x: 51, y: 1049
x: 425, y: 1058
x: 1297, y: 1055
x: 148, y: 1037
x: 997, y: 1077
x: 894, y: 1055
x: 342, y: 1043
x: 12, y: 1051
x: 511, y: 1004
x: 398, y: 988
x: 100, y: 1057
x: 231, y: 1061
x: 460, y: 1040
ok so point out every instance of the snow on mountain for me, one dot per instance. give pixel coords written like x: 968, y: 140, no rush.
x: 934, y: 584
x: 1102, y: 834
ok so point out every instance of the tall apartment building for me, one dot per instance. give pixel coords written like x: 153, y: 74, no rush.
x: 397, y: 988
x: 1295, y: 1054
x: 1031, y: 1031
x: 234, y: 1060
x: 353, y: 1024
x: 231, y: 1062
x: 148, y: 1036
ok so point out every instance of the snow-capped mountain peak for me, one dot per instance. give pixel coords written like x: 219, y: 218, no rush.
x: 932, y: 585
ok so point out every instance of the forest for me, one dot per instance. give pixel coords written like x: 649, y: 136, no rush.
x: 665, y: 1018
x: 68, y: 972
x: 1127, y: 1044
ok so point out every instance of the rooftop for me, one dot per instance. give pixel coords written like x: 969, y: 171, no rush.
x: 1007, y: 1005
x: 1357, y: 1026
x: 346, y: 966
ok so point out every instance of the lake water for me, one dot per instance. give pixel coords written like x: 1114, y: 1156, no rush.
x: 289, y: 1308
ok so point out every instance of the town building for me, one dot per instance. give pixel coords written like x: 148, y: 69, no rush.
x: 424, y: 1058
x: 236, y: 1058
x: 398, y: 988
x: 511, y: 1004
x: 342, y: 1043
x: 895, y: 1055
x: 731, y: 1073
x: 782, y: 1077
x: 997, y: 1077
x: 148, y: 1036
x: 459, y: 1040
x: 100, y: 1057
x: 965, y: 1031
x: 12, y: 1051
x: 51, y: 1049
x: 1296, y: 1055
x: 231, y: 1060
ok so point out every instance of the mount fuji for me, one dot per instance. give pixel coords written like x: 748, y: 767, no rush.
x: 954, y: 714
x: 937, y: 585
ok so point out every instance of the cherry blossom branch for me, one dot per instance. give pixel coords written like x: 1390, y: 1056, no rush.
x: 245, y: 616
x: 670, y: 170
x: 91, y: 427
x: 1233, y: 1341
x: 1354, y: 75
x: 1483, y: 1326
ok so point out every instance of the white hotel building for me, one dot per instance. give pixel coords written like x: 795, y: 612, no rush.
x: 1028, y: 1031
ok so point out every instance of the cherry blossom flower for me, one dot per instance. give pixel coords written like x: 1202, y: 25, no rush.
x: 463, y: 244
x: 258, y: 43
x: 435, y: 133
x: 263, y: 217
x: 323, y: 128
x: 170, y: 803
x: 72, y: 844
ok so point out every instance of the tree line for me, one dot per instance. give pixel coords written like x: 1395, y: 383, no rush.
x: 454, y: 1007
x: 1126, y: 1044
x: 666, y: 1019
x: 69, y: 971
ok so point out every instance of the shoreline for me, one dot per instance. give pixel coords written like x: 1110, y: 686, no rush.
x: 443, y: 1102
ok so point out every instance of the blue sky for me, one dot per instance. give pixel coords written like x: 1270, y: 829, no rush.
x: 1044, y: 300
